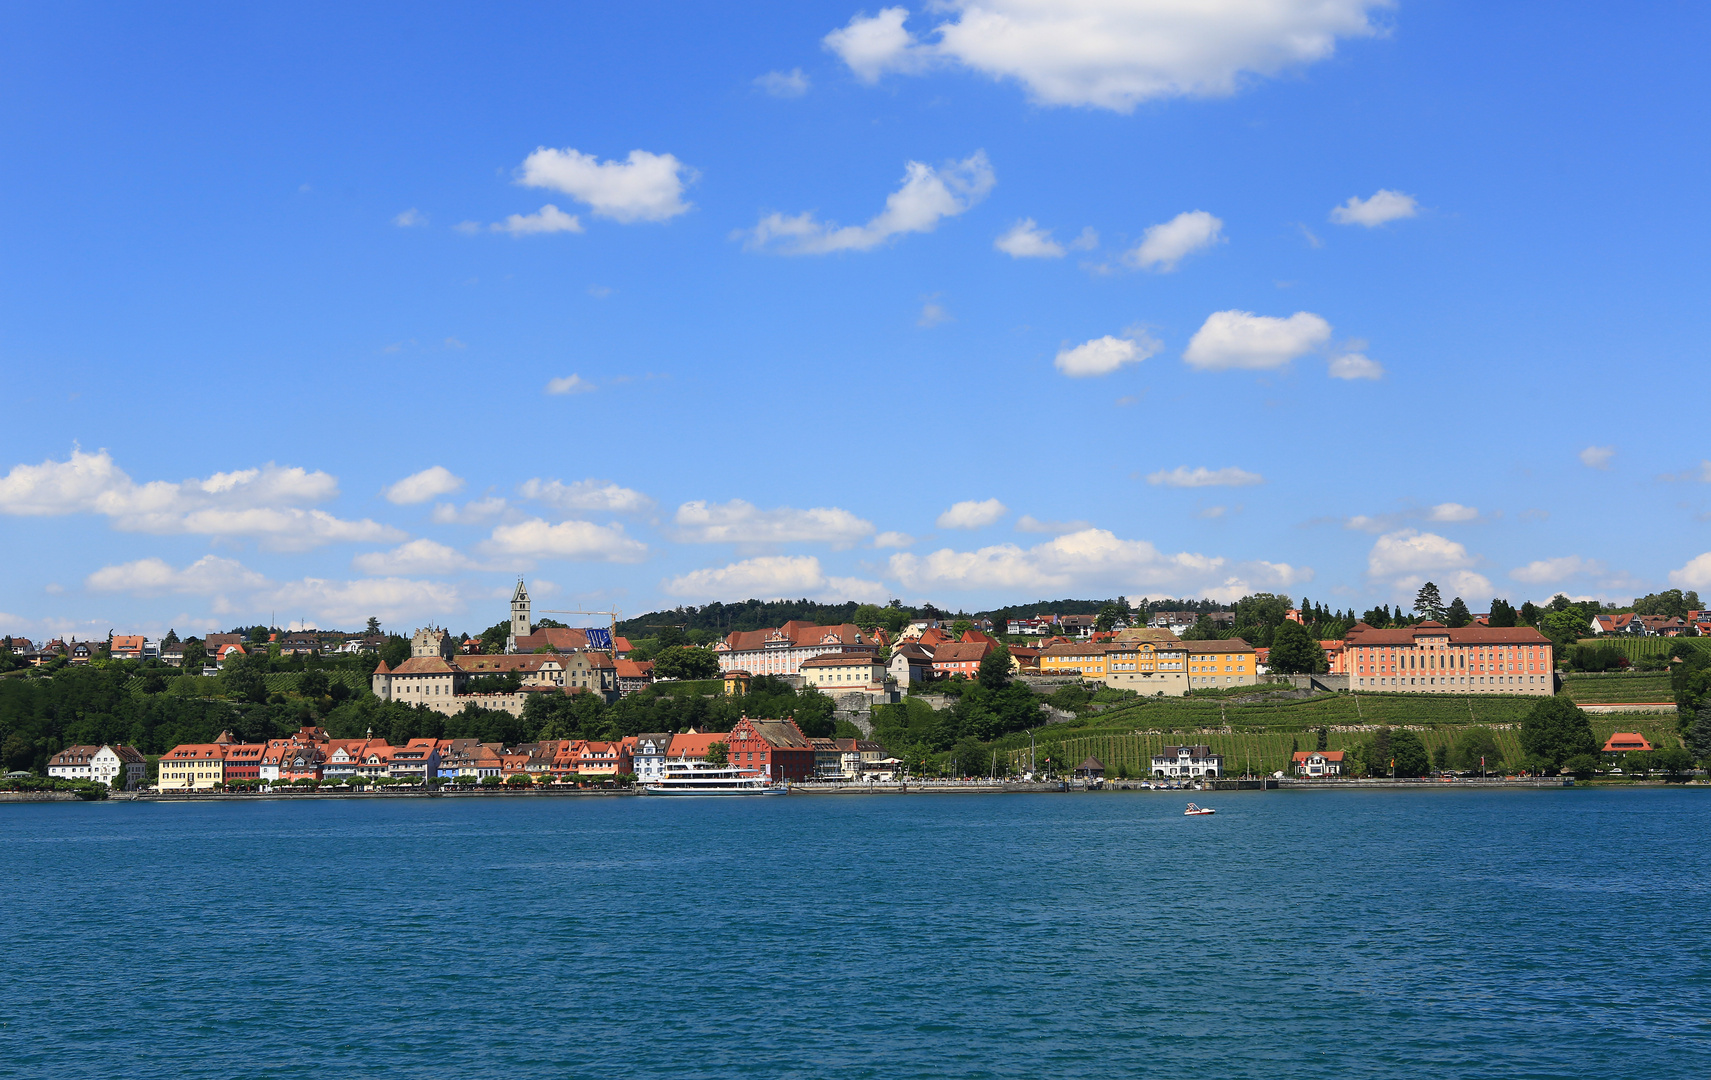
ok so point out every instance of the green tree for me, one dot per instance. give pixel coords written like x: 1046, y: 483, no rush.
x: 1324, y: 742
x: 686, y: 662
x: 1502, y: 614
x: 1699, y: 735
x: 373, y: 626
x: 670, y: 637
x: 1556, y: 730
x: 241, y: 677
x: 718, y: 753
x: 1477, y: 747
x: 999, y: 625
x: 1529, y: 614
x: 1671, y: 603
x: 970, y: 758
x: 1441, y: 757
x: 960, y: 627
x: 1429, y: 602
x: 312, y: 683
x: 1457, y: 615
x: 867, y: 616
x: 1581, y: 765
x: 195, y: 657
x: 995, y: 669
x: 1409, y: 754
x: 1294, y: 652
x: 1375, y: 753
x: 494, y: 637
x: 1107, y: 618
x: 1565, y: 627
x: 1673, y: 761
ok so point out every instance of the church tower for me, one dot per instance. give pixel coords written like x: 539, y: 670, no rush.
x: 520, y: 627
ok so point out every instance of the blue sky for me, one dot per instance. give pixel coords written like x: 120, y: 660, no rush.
x: 975, y: 304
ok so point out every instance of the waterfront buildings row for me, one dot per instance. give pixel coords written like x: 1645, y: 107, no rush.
x: 115, y: 766
x: 775, y: 749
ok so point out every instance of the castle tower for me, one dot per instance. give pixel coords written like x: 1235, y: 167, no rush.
x: 520, y: 627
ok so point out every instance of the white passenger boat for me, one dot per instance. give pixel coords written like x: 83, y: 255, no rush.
x: 1196, y: 811
x: 705, y: 778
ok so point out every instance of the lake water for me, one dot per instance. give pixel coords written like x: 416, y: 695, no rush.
x: 1296, y: 934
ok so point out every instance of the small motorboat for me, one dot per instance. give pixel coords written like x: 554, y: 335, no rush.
x: 1196, y: 811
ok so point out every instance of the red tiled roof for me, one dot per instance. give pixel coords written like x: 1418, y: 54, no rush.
x: 1362, y: 635
x: 1328, y: 755
x: 1626, y: 740
x: 799, y: 633
x: 958, y: 652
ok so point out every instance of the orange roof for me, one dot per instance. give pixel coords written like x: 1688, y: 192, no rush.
x: 956, y: 652
x: 799, y: 633
x: 694, y: 745
x: 1626, y: 740
x: 1363, y: 635
x: 1328, y: 755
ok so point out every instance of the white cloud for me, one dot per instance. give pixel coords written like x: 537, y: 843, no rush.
x: 1408, y: 558
x: 206, y: 576
x: 1212, y: 513
x: 415, y: 557
x: 1163, y: 246
x: 472, y: 512
x: 1028, y: 523
x: 580, y: 540
x: 1184, y: 477
x: 1385, y: 205
x: 784, y: 84
x: 548, y: 219
x: 419, y: 487
x: 1597, y: 457
x: 871, y: 46
x: 1103, y: 355
x: 1241, y: 339
x: 773, y: 577
x: 1450, y: 511
x: 1356, y: 366
x: 1106, y: 54
x: 893, y: 540
x: 570, y: 384
x: 932, y: 314
x: 928, y: 196
x: 348, y: 603
x: 261, y: 503
x: 410, y: 218
x: 1695, y: 575
x: 1026, y: 240
x: 643, y: 187
x: 970, y: 514
x: 587, y: 495
x: 740, y: 522
x: 1087, y: 558
x: 1547, y: 571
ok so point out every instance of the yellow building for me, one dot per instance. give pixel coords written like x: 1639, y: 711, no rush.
x: 1157, y: 664
x: 1230, y: 662
x: 192, y: 767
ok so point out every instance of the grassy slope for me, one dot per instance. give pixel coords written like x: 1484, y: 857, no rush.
x: 1639, y: 686
x: 1264, y: 733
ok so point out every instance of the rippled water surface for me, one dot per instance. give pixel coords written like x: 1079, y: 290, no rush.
x: 1296, y: 934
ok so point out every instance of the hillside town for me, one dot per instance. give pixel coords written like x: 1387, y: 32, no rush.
x: 871, y: 675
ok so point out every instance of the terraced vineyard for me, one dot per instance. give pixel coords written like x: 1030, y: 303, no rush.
x: 1650, y: 648
x: 1269, y: 751
x: 1259, y: 735
x: 1638, y: 686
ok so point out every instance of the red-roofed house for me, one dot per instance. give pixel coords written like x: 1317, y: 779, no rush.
x: 1623, y: 742
x: 956, y: 658
x: 774, y: 748
x: 192, y: 767
x: 1319, y: 762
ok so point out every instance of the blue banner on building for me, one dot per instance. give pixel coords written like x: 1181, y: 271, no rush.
x: 599, y: 637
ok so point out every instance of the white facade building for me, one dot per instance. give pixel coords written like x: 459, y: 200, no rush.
x: 1178, y: 762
